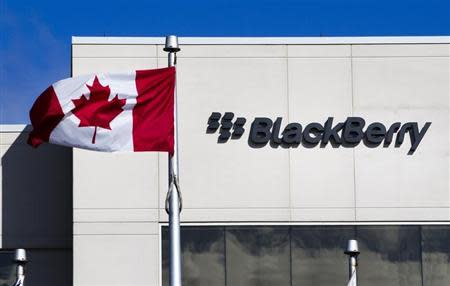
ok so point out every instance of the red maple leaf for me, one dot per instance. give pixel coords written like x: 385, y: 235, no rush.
x: 97, y: 110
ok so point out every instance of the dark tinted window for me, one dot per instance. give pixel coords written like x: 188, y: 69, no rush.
x: 436, y: 255
x: 203, y: 256
x: 312, y: 255
x: 258, y: 256
x: 317, y: 255
x: 7, y: 268
x: 390, y: 255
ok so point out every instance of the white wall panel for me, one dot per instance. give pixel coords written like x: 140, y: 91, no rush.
x: 323, y: 214
x: 96, y: 65
x: 116, y: 260
x: 228, y: 51
x: 115, y: 215
x: 320, y: 176
x: 114, y: 51
x: 115, y: 228
x: 403, y: 214
x: 404, y: 90
x: 401, y: 83
x: 115, y: 180
x: 389, y: 177
x: 232, y: 174
x: 401, y: 50
x: 231, y: 214
x: 319, y: 51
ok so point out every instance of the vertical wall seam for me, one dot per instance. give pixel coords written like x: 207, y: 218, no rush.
x: 352, y: 111
x: 288, y: 120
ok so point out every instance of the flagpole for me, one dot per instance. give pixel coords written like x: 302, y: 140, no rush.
x: 352, y: 251
x: 173, y: 201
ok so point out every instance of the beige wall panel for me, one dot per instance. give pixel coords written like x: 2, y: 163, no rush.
x: 115, y: 215
x: 323, y: 214
x: 116, y: 260
x: 114, y: 51
x: 401, y: 83
x: 389, y: 177
x: 228, y: 51
x: 231, y: 215
x: 232, y: 174
x: 400, y: 89
x: 401, y: 50
x: 320, y: 51
x: 115, y: 180
x: 403, y: 214
x: 96, y: 65
x: 113, y: 228
x: 8, y: 138
x: 318, y: 89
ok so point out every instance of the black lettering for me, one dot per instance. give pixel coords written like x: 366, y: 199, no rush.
x: 417, y: 136
x: 401, y: 134
x: 276, y: 131
x: 292, y: 134
x: 390, y: 133
x: 331, y: 133
x: 314, y: 129
x: 375, y: 133
x: 260, y: 130
x: 353, y: 132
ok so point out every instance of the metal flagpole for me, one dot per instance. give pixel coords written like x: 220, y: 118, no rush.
x: 173, y: 200
x: 352, y: 251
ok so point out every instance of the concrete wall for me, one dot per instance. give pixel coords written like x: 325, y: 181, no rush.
x: 119, y: 198
x: 36, y: 205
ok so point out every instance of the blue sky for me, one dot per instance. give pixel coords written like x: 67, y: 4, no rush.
x: 35, y: 35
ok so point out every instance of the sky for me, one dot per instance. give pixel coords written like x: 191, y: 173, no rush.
x: 35, y: 36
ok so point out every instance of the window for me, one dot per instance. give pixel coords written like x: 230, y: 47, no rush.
x: 317, y: 255
x: 258, y: 256
x: 391, y: 255
x: 394, y: 251
x: 7, y: 268
x: 436, y: 255
x: 203, y: 254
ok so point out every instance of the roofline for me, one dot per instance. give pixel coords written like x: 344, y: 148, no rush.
x: 13, y: 128
x: 263, y: 40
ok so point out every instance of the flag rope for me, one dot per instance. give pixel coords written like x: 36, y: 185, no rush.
x: 173, y: 184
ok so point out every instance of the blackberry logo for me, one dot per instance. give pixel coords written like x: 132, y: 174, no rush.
x: 226, y: 126
x: 349, y: 133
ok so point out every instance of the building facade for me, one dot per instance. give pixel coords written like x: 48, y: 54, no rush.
x: 269, y: 200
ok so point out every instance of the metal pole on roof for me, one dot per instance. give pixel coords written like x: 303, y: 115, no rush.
x: 20, y: 257
x: 173, y: 201
x: 352, y: 251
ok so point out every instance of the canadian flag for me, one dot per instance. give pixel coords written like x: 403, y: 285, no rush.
x: 108, y: 112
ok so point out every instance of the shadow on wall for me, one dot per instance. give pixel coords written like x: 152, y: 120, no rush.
x: 37, y: 209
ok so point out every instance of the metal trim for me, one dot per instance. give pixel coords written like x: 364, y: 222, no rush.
x: 77, y: 40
